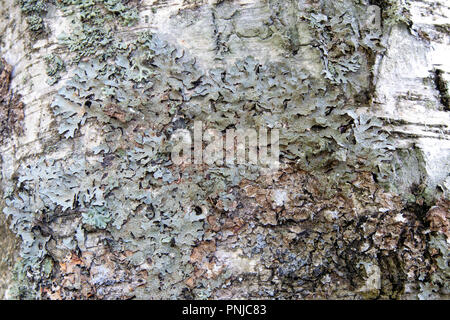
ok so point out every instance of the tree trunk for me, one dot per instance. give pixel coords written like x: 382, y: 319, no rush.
x: 91, y: 92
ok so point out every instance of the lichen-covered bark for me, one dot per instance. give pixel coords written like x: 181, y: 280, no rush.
x: 8, y: 253
x: 359, y: 208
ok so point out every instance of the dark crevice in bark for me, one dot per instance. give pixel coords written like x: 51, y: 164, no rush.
x: 442, y: 87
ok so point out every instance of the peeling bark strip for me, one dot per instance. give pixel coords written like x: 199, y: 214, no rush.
x: 11, y: 106
x: 359, y: 205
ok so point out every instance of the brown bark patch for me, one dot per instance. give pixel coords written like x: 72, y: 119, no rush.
x: 11, y: 106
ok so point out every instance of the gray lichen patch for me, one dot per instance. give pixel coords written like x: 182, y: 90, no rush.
x: 54, y: 66
x: 94, y: 26
x: 34, y: 10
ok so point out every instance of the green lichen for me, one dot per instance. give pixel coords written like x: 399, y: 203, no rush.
x: 23, y: 288
x: 340, y: 57
x: 34, y: 11
x: 87, y: 40
x: 54, y: 66
x: 94, y: 22
x: 97, y: 217
x: 128, y: 15
x: 35, y: 23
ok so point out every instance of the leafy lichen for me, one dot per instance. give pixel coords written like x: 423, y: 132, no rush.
x: 34, y: 10
x: 95, y: 20
x: 97, y: 217
x: 54, y: 66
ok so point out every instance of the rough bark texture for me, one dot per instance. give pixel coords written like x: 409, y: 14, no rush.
x: 91, y: 91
